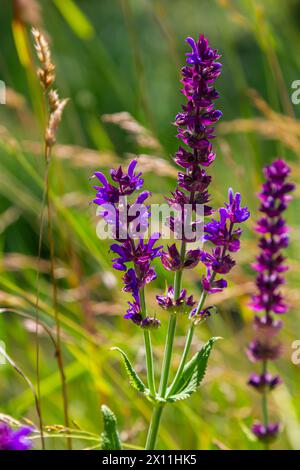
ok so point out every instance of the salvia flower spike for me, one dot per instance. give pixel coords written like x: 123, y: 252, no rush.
x: 195, y: 130
x: 132, y: 256
x: 268, y: 300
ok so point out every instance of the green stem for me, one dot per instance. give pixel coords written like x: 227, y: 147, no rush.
x: 171, y: 330
x: 153, y: 428
x: 264, y: 403
x: 149, y: 362
x: 157, y: 410
x: 148, y: 348
x: 167, y: 355
x: 187, y: 346
x: 186, y: 351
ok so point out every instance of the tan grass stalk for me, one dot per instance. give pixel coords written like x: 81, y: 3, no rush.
x: 53, y: 110
x: 140, y: 134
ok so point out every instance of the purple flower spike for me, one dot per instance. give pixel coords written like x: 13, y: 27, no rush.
x: 14, y: 440
x: 134, y: 257
x: 270, y: 262
x: 270, y: 266
x: 194, y: 124
x: 195, y: 130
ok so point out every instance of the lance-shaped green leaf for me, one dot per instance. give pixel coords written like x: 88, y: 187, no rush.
x: 193, y: 373
x: 109, y: 439
x: 134, y: 379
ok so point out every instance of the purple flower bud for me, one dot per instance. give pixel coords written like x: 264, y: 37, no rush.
x: 264, y: 382
x: 171, y: 260
x: 150, y: 323
x: 266, y: 326
x: 128, y: 182
x: 131, y: 282
x: 263, y: 350
x: 192, y: 258
x: 202, y: 315
x: 271, y: 264
x: 195, y: 180
x: 235, y: 212
x: 221, y: 234
x: 134, y: 312
x: 211, y: 285
x: 218, y: 262
x: 266, y: 434
x: 268, y: 301
x: 167, y: 301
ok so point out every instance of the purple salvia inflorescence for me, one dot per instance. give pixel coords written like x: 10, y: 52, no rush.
x: 195, y: 130
x: 270, y: 266
x: 133, y: 256
x: 14, y: 439
x: 225, y: 236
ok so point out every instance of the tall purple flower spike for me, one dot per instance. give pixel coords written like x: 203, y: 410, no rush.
x: 14, y: 439
x: 133, y: 257
x: 270, y: 266
x: 195, y: 130
x: 194, y: 124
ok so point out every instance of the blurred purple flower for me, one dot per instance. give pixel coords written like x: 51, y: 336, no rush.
x: 264, y: 382
x: 274, y: 197
x: 266, y: 434
x: 263, y: 350
x: 14, y: 439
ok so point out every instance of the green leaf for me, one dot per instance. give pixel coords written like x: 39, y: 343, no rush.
x: 109, y: 439
x: 134, y: 379
x: 76, y: 19
x: 193, y: 373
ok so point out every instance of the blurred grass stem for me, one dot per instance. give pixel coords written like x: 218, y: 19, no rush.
x: 58, y: 354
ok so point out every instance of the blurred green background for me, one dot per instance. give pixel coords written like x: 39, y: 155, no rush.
x: 125, y: 56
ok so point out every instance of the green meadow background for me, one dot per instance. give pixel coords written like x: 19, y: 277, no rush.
x: 125, y: 56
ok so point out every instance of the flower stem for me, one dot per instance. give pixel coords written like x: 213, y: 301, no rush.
x: 264, y: 402
x: 148, y: 348
x: 149, y: 362
x: 171, y: 330
x: 187, y: 346
x: 153, y: 428
x: 167, y: 355
x: 157, y: 411
x: 186, y: 350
